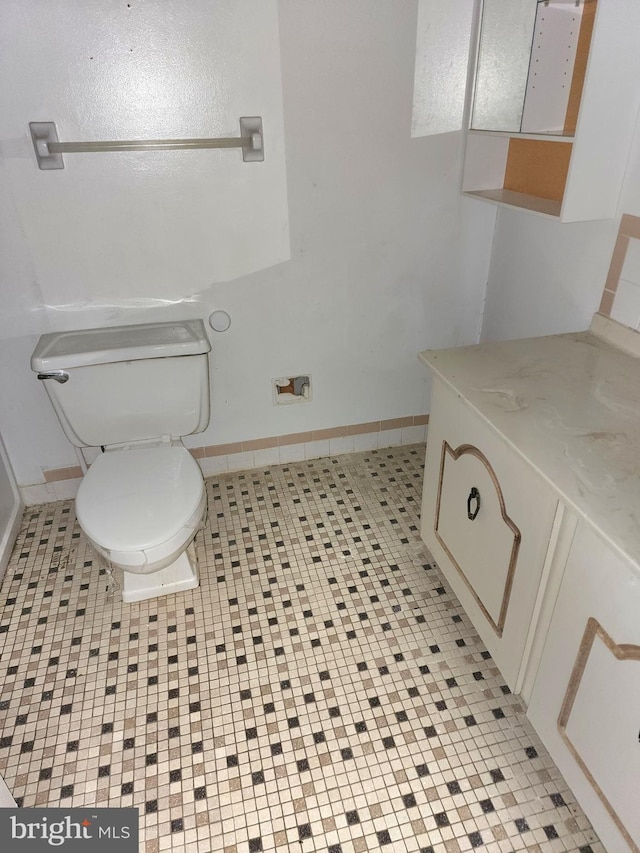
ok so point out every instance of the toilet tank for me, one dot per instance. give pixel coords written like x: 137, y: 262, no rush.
x: 127, y: 383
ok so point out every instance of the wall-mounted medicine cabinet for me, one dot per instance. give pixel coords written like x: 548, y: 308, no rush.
x: 531, y: 63
x: 551, y: 102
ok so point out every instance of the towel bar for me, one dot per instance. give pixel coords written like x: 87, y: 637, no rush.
x: 49, y: 149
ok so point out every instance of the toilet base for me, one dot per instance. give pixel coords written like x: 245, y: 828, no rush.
x: 178, y: 577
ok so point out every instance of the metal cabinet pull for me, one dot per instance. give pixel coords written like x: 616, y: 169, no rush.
x: 474, y: 495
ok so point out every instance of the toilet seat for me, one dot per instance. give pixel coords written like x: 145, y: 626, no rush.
x: 141, y: 506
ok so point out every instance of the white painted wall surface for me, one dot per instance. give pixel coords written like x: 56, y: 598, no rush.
x: 116, y: 237
x: 153, y: 225
x: 10, y: 511
x: 386, y: 258
x: 545, y: 277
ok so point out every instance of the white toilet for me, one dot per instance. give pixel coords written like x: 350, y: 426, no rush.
x: 134, y: 391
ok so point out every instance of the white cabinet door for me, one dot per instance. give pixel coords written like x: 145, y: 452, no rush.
x: 487, y: 518
x: 473, y: 527
x: 444, y: 34
x: 585, y: 702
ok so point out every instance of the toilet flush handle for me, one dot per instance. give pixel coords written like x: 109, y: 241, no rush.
x: 60, y: 376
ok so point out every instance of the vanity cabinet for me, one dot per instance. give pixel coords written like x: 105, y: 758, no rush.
x: 487, y: 519
x: 531, y: 508
x: 585, y: 703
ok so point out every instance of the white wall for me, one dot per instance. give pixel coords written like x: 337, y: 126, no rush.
x: 547, y: 277
x: 155, y: 225
x: 386, y: 258
x: 10, y: 515
x: 118, y: 237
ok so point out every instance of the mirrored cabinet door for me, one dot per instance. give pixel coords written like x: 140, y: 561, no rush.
x: 502, y: 69
x: 531, y: 63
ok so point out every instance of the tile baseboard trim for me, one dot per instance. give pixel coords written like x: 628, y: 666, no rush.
x: 62, y: 483
x: 616, y: 334
x: 73, y: 472
x: 309, y: 436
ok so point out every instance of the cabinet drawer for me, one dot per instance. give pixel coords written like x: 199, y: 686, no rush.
x: 585, y: 702
x: 487, y: 519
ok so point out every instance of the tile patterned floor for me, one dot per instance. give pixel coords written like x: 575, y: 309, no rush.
x: 321, y: 691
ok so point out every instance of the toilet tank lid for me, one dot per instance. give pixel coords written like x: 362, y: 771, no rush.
x: 84, y: 347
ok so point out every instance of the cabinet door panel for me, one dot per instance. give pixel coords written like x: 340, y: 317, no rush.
x: 469, y: 485
x: 600, y: 719
x: 493, y: 563
x: 585, y: 702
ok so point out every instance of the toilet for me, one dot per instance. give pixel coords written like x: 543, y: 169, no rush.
x: 134, y: 392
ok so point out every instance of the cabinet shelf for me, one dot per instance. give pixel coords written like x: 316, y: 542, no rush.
x: 551, y: 137
x: 510, y: 198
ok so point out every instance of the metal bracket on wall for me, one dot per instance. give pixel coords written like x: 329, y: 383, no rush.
x: 49, y: 149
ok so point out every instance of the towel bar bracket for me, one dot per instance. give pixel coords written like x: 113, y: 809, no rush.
x: 49, y: 149
x: 43, y: 133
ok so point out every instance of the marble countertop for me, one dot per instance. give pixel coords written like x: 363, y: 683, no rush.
x: 570, y: 405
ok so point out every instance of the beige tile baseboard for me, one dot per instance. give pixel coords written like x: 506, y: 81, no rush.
x: 62, y: 483
x: 311, y: 436
x: 629, y: 229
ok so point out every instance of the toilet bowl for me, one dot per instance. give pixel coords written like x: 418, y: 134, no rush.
x: 135, y: 391
x: 140, y: 508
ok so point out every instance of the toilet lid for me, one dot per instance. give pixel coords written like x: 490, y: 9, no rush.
x: 131, y: 500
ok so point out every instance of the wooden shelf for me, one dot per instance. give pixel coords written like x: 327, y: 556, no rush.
x: 510, y: 198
